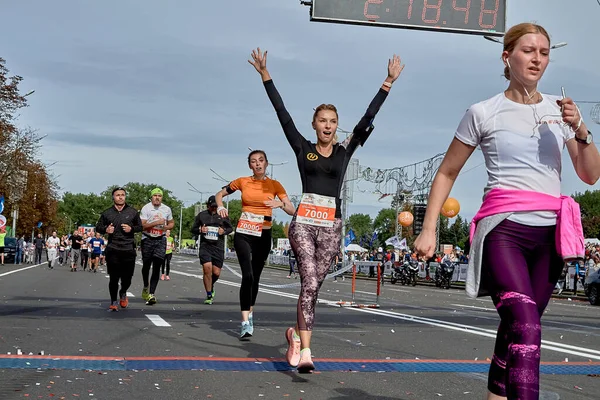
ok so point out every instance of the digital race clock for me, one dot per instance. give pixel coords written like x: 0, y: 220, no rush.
x: 479, y: 17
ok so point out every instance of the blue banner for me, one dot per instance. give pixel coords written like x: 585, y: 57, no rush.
x: 350, y: 236
x: 373, y: 238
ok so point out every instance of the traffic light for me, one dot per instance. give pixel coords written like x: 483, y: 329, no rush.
x: 419, y: 216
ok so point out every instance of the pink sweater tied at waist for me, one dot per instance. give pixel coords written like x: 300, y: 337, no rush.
x: 569, y: 233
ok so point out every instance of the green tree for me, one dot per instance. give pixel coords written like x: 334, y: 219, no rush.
x: 187, y: 220
x: 235, y: 211
x: 277, y: 231
x: 76, y: 209
x: 385, y: 225
x: 34, y: 194
x: 459, y: 232
x: 589, y: 202
x: 361, y: 225
x: 445, y: 235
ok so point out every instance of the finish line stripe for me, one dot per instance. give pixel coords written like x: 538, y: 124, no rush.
x: 262, y: 365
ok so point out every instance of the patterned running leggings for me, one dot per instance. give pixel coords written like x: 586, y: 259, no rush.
x: 521, y: 267
x: 315, y: 248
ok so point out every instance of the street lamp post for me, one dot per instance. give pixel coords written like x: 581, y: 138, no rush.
x: 180, y: 224
x: 276, y: 164
x: 221, y: 179
x: 193, y: 189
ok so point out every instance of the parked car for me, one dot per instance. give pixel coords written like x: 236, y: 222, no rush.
x: 592, y: 287
x: 10, y: 250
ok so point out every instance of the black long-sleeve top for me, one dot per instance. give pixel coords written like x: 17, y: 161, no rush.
x: 119, y: 239
x: 324, y: 175
x: 214, y: 220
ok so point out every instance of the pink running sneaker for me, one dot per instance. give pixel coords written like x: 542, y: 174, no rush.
x: 293, y: 352
x: 167, y: 277
x: 162, y: 277
x: 305, y: 366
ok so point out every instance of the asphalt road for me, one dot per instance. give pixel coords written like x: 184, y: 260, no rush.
x: 57, y: 340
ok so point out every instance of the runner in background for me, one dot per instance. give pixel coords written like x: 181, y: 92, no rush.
x: 64, y: 239
x: 168, y: 255
x: 315, y: 230
x: 2, y: 236
x: 292, y: 262
x: 85, y: 254
x: 96, y: 244
x: 76, y: 245
x: 211, y: 229
x: 52, y: 245
x: 252, y: 240
x: 39, y: 243
x: 156, y: 219
x: 103, y: 253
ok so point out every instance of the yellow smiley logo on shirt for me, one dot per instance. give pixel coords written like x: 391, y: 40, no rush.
x: 312, y: 157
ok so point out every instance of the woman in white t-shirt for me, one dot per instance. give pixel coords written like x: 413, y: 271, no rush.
x: 514, y: 258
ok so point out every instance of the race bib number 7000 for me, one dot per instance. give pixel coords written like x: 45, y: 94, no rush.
x: 250, y: 224
x: 316, y: 210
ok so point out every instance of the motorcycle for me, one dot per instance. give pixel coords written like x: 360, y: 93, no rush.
x: 400, y: 274
x: 443, y: 274
x: 413, y: 271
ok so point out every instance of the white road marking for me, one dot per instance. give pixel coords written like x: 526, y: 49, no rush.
x: 22, y: 269
x: 396, y: 290
x: 129, y: 294
x: 474, y: 330
x: 475, y: 307
x: 545, y: 320
x: 157, y: 320
x: 360, y: 291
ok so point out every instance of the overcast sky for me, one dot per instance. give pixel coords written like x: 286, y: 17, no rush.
x: 157, y: 91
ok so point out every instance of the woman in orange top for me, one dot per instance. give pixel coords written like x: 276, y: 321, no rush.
x: 252, y: 240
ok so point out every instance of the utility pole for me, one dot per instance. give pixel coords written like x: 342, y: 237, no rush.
x: 180, y: 224
x: 221, y: 179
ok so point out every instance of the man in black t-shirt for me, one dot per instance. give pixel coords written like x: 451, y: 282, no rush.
x: 38, y: 242
x: 76, y: 242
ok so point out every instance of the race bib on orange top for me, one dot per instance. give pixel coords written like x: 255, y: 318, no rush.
x: 213, y: 233
x: 250, y: 224
x: 316, y: 210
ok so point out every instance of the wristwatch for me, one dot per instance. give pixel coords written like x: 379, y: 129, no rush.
x: 589, y: 139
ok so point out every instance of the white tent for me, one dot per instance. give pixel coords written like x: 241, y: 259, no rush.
x: 354, y: 247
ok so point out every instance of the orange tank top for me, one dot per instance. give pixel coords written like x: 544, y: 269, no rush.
x: 254, y: 194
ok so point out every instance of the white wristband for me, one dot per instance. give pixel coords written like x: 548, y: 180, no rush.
x: 387, y: 84
x: 221, y: 208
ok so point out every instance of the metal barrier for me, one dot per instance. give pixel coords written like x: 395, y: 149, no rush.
x: 353, y: 303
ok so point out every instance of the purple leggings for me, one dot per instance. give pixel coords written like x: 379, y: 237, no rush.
x: 520, y: 267
x: 315, y: 248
